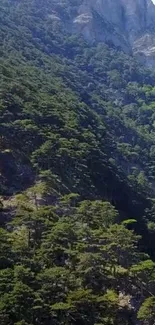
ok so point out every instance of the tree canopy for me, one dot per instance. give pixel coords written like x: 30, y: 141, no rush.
x: 77, y: 150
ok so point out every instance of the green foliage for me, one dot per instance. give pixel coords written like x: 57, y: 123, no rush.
x: 147, y: 310
x: 77, y: 150
x: 66, y: 268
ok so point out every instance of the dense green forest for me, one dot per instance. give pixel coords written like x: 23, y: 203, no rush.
x: 77, y: 168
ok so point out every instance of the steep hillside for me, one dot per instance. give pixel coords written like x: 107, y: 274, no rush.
x: 128, y: 24
x: 77, y: 171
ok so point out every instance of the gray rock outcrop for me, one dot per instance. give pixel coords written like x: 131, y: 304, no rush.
x: 128, y: 24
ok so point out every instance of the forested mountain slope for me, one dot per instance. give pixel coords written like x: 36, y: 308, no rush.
x: 77, y: 151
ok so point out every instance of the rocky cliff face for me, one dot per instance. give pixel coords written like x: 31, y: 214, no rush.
x: 128, y: 24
